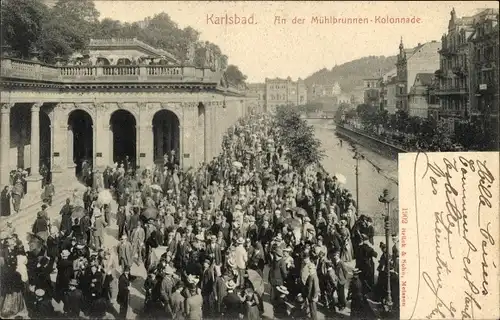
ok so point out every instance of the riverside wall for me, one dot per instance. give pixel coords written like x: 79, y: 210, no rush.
x: 381, y: 147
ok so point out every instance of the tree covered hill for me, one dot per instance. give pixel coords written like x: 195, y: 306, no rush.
x: 351, y: 74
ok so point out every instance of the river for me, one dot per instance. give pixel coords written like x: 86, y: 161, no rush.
x: 339, y: 159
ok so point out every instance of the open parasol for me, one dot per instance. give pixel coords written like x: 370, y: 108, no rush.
x: 77, y: 212
x: 150, y: 213
x: 35, y: 243
x: 237, y: 164
x: 104, y: 197
x: 156, y: 187
x: 256, y: 280
x: 340, y: 178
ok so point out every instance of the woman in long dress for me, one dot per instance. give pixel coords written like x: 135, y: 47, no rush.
x: 5, y: 201
x: 346, y: 251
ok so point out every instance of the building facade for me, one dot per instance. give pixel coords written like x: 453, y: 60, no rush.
x: 422, y: 99
x: 423, y: 58
x: 484, y: 57
x: 322, y: 90
x: 258, y: 92
x: 125, y: 52
x: 453, y: 73
x: 284, y: 92
x: 372, y: 91
x: 63, y: 116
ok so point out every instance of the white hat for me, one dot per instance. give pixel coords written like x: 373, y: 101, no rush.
x: 124, y: 237
x: 282, y: 289
x: 168, y: 269
x: 65, y: 253
x: 240, y: 240
x: 200, y: 237
x: 39, y: 292
x: 238, y: 207
x: 193, y: 279
x: 231, y: 262
x: 230, y: 284
x: 199, y: 210
x: 307, y: 219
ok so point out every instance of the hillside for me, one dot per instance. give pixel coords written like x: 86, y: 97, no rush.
x: 351, y: 74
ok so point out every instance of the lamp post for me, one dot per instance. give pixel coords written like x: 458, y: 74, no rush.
x: 357, y: 156
x: 386, y: 199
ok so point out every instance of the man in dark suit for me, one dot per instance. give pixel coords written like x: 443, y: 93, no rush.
x: 342, y: 276
x: 365, y: 263
x: 313, y: 291
x: 278, y: 272
x: 232, y: 303
x: 87, y: 198
x: 123, y: 292
x: 73, y: 300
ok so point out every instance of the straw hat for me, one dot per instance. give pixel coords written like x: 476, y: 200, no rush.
x: 282, y: 289
x: 356, y: 271
x: 200, y: 237
x: 230, y: 285
x: 73, y: 282
x: 231, y: 263
x: 39, y: 292
x: 240, y: 240
x: 168, y: 270
x: 65, y: 253
x: 238, y: 207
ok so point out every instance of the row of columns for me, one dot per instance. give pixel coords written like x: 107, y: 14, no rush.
x: 34, y: 179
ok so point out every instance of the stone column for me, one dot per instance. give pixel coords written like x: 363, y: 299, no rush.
x: 207, y: 150
x: 59, y: 147
x: 189, y: 121
x: 69, y: 142
x: 145, y: 145
x: 34, y: 181
x: 5, y: 145
x: 158, y: 133
x: 110, y: 144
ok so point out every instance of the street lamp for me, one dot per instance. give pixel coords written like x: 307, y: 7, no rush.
x: 386, y: 199
x: 357, y: 156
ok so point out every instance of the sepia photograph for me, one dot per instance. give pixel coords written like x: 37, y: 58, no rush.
x: 248, y: 159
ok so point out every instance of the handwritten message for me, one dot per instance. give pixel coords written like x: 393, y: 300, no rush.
x: 449, y: 219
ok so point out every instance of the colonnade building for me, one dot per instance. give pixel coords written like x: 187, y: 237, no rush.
x: 60, y: 116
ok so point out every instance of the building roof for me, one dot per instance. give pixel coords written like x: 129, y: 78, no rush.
x: 425, y: 78
x: 134, y: 42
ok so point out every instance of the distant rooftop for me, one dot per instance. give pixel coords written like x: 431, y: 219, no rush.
x: 119, y: 42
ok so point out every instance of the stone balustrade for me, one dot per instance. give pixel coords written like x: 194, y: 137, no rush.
x: 17, y: 69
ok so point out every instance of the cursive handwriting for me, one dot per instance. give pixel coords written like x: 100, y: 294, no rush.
x: 486, y: 179
x: 450, y: 180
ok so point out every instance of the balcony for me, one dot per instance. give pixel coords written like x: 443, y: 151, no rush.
x: 460, y: 71
x: 450, y: 90
x: 35, y: 71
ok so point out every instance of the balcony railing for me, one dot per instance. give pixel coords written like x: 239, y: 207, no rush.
x: 31, y: 70
x: 449, y: 90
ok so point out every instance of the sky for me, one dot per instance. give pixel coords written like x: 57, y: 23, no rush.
x: 270, y: 49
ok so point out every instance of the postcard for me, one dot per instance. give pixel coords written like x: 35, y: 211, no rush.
x: 449, y: 235
x: 257, y: 159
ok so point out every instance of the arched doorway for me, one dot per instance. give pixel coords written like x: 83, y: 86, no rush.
x: 45, y: 146
x: 200, y: 135
x: 166, y: 135
x: 123, y: 126
x: 80, y: 140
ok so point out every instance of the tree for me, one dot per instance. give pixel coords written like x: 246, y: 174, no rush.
x: 21, y: 24
x: 234, y: 76
x: 298, y: 138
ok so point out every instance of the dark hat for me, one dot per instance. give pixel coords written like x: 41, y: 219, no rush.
x: 126, y: 269
x: 44, y: 206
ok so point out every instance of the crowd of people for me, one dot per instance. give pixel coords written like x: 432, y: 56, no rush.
x: 212, y: 240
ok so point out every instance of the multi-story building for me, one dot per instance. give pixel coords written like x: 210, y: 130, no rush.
x: 328, y: 90
x: 421, y: 59
x: 422, y: 99
x: 388, y: 91
x: 372, y: 91
x: 258, y: 91
x: 284, y: 92
x: 483, y: 48
x: 453, y: 73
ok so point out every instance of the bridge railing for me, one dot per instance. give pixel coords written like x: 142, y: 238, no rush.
x: 34, y: 70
